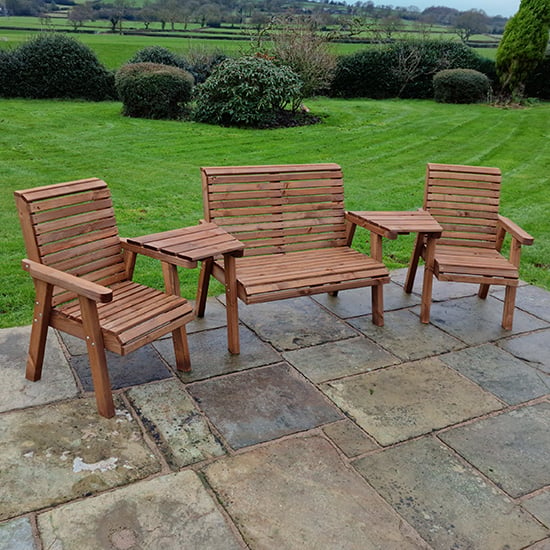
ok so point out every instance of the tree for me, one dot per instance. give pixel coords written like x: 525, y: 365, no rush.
x: 471, y: 22
x: 79, y: 14
x: 522, y: 46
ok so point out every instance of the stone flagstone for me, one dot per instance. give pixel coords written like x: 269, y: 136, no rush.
x: 397, y: 403
x: 169, y: 512
x: 337, y: 359
x: 477, y: 321
x: 531, y: 299
x: 169, y: 414
x: 405, y: 336
x: 65, y: 451
x: 210, y: 357
x: 262, y: 404
x: 17, y: 535
x: 16, y: 391
x: 539, y: 506
x: 299, y: 494
x: 499, y: 372
x: 446, y: 501
x: 533, y: 348
x: 349, y: 438
x: 512, y: 449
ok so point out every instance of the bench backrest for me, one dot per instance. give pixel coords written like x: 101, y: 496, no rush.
x: 71, y: 226
x: 465, y: 201
x: 277, y: 208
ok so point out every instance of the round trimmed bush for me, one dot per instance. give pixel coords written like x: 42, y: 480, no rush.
x: 10, y: 73
x: 58, y: 66
x: 153, y: 90
x: 159, y: 55
x: 248, y: 91
x: 461, y: 86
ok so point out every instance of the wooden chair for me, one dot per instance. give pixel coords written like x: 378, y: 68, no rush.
x: 297, y: 237
x: 465, y: 201
x: 83, y: 283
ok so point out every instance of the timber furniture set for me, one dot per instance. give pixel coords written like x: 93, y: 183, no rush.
x: 269, y: 233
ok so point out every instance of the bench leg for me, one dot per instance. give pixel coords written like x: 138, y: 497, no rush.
x: 509, y: 305
x: 483, y: 291
x: 378, y: 305
x: 232, y: 306
x: 96, y: 354
x: 427, y: 283
x: 413, y: 265
x: 202, y: 290
x: 39, y: 330
x: 181, y: 349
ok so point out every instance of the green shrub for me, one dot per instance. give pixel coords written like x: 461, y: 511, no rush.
x: 403, y: 69
x: 538, y: 83
x: 153, y: 90
x: 159, y: 55
x: 10, y: 73
x: 461, y: 86
x: 249, y: 91
x: 58, y: 66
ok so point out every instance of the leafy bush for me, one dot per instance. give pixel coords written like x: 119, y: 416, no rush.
x: 403, y: 69
x: 159, y: 55
x: 203, y: 62
x: 10, y: 73
x: 249, y: 91
x: 538, y: 83
x: 153, y: 90
x: 461, y: 86
x: 58, y: 66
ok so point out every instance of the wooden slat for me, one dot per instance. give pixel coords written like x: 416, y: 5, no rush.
x: 49, y: 191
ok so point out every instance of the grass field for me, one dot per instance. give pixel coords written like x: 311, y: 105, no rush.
x: 152, y: 167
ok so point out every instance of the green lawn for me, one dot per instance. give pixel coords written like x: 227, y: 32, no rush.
x: 152, y: 167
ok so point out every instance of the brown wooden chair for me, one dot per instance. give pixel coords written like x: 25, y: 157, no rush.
x: 465, y: 202
x: 83, y: 283
x: 297, y: 237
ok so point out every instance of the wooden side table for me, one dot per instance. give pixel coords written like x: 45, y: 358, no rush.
x: 185, y: 247
x: 396, y: 223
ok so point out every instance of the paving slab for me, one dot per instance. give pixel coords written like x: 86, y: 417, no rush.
x: 16, y: 392
x: 210, y: 356
x: 397, y: 403
x: 477, y: 321
x: 299, y: 494
x: 356, y: 302
x: 533, y: 348
x: 17, y: 535
x: 349, y: 438
x: 406, y: 337
x: 441, y: 290
x: 337, y: 359
x: 539, y: 506
x: 169, y: 512
x: 170, y: 416
x: 542, y: 545
x: 215, y: 316
x: 262, y: 404
x: 139, y: 367
x: 511, y: 449
x: 293, y: 323
x: 529, y: 298
x: 63, y: 451
x: 446, y: 501
x: 499, y: 372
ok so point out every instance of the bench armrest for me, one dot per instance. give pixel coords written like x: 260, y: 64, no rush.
x: 78, y: 285
x: 356, y: 218
x: 515, y: 231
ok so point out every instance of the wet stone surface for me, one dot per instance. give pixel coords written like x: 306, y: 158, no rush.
x: 533, y: 348
x: 171, y: 511
x: 447, y: 502
x: 262, y: 404
x: 17, y: 535
x: 396, y: 403
x: 531, y: 299
x: 539, y: 506
x: 65, y: 452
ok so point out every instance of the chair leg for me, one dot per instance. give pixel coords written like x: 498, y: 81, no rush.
x: 413, y: 264
x: 202, y: 290
x: 232, y: 306
x: 483, y: 291
x: 378, y: 305
x: 509, y: 305
x: 181, y: 349
x: 427, y: 283
x: 96, y: 354
x: 334, y: 293
x: 39, y: 330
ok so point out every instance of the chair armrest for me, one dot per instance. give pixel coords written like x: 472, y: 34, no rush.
x: 78, y: 285
x: 517, y: 232
x: 356, y: 218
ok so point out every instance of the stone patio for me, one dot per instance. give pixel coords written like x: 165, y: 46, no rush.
x: 327, y: 432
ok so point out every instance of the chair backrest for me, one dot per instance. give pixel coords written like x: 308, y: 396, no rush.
x: 277, y: 208
x: 465, y: 201
x: 71, y: 226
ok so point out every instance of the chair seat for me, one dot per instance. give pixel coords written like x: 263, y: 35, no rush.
x: 276, y: 276
x: 137, y: 315
x: 474, y: 262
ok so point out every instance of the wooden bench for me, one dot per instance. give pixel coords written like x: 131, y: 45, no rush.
x: 465, y: 201
x: 296, y: 233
